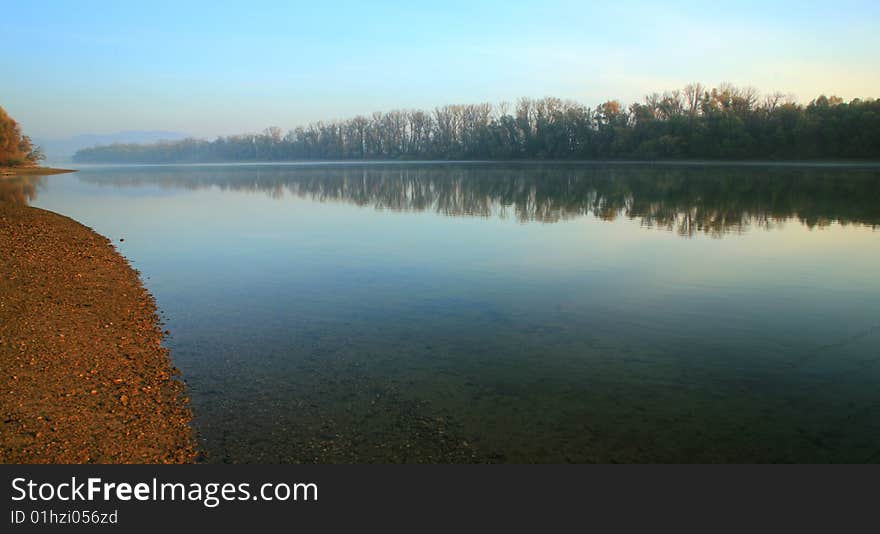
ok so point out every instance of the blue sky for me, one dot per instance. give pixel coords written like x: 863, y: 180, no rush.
x: 209, y: 68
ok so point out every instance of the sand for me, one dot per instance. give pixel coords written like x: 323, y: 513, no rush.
x: 83, y: 375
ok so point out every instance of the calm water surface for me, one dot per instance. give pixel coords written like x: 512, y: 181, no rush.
x: 510, y: 313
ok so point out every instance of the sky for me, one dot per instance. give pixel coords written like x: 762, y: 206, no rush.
x: 217, y: 68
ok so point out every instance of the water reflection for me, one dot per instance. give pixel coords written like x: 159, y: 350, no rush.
x: 311, y: 332
x: 19, y: 189
x: 685, y: 199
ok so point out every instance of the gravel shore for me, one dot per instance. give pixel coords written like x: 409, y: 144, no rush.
x: 83, y: 375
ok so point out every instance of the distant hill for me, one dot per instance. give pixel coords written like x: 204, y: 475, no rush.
x: 62, y: 149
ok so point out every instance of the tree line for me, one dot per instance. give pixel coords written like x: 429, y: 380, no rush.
x: 724, y: 122
x: 16, y: 149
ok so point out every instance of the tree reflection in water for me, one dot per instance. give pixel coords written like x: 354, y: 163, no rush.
x: 689, y: 200
x: 19, y: 189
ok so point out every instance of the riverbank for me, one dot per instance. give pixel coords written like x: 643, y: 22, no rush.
x: 30, y: 171
x: 83, y: 375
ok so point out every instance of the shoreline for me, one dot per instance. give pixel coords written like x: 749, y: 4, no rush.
x: 41, y: 171
x: 83, y: 375
x: 869, y: 164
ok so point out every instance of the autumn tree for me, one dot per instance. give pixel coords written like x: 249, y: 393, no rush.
x: 16, y: 149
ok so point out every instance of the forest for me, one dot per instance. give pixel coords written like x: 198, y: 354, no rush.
x: 721, y: 123
x: 16, y: 149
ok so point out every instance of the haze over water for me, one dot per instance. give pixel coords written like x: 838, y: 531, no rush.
x: 514, y: 313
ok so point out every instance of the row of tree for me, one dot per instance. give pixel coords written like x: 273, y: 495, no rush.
x: 16, y: 149
x: 725, y: 122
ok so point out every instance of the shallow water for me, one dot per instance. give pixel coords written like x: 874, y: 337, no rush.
x: 512, y: 313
